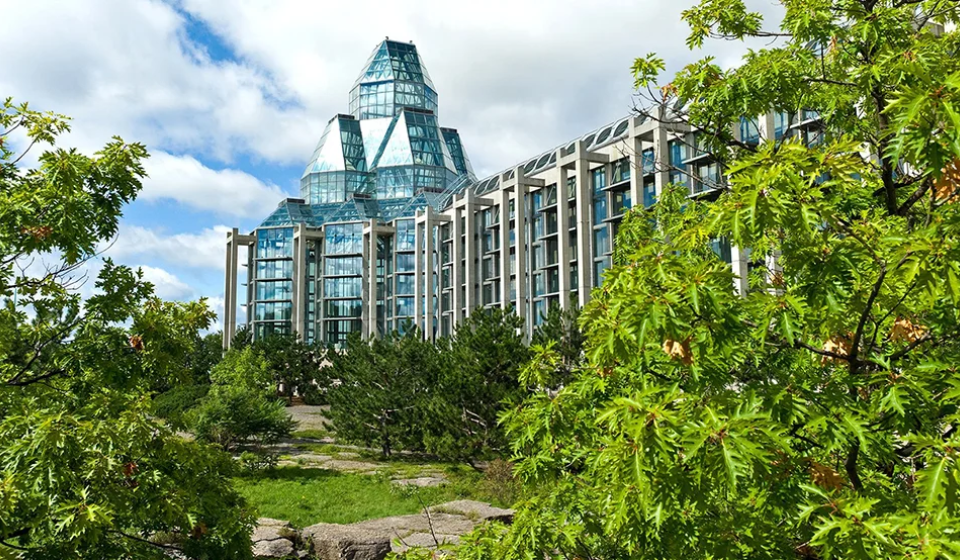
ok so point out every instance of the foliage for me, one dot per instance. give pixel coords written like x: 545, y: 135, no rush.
x: 479, y: 374
x: 208, y: 351
x: 380, y: 385
x: 173, y: 405
x: 294, y: 366
x: 239, y: 416
x: 246, y: 367
x: 560, y: 341
x: 814, y: 416
x: 85, y: 471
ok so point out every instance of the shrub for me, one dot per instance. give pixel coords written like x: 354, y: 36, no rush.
x: 240, y: 417
x: 173, y: 405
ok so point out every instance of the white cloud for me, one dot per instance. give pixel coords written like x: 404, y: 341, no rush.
x: 516, y: 77
x: 226, y: 191
x: 206, y: 249
x: 165, y: 284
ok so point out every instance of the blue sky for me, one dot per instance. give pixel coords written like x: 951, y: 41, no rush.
x: 231, y: 97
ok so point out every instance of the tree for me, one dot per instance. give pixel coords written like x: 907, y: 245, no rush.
x: 235, y: 416
x: 559, y: 341
x: 816, y: 415
x: 246, y: 367
x: 480, y: 374
x: 378, y: 388
x: 294, y: 364
x: 86, y: 472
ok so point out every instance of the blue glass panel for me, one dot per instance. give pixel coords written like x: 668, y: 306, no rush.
x: 405, y: 262
x: 406, y: 235
x: 274, y: 243
x: 404, y: 306
x: 343, y: 266
x: 599, y: 210
x: 343, y: 239
x: 339, y: 308
x: 405, y: 284
x: 282, y: 289
x: 275, y: 269
x: 343, y: 287
x: 273, y: 311
x: 601, y: 241
x: 599, y: 179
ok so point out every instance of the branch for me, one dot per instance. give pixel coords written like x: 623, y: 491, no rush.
x: 851, y: 467
x: 855, y: 343
x: 915, y: 197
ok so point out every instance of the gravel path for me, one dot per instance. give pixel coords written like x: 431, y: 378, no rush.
x: 309, y: 417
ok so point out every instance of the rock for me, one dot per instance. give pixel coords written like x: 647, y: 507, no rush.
x: 403, y: 525
x: 423, y: 540
x: 278, y: 548
x: 478, y: 511
x: 268, y: 522
x: 421, y: 482
x: 346, y: 542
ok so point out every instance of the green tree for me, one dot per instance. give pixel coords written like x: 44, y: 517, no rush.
x: 815, y: 416
x: 238, y: 416
x: 84, y: 470
x: 559, y: 340
x: 246, y: 367
x: 378, y: 388
x: 479, y: 374
x: 294, y: 364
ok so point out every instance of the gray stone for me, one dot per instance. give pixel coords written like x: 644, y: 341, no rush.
x: 277, y: 548
x: 346, y: 542
x: 478, y: 511
x: 420, y: 482
x: 272, y: 533
x: 268, y: 522
x: 423, y: 540
x: 403, y: 525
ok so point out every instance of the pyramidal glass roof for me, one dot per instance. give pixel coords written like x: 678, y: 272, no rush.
x: 393, y: 60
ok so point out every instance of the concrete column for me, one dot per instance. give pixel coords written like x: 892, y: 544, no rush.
x: 635, y: 151
x: 563, y: 235
x: 472, y: 278
x: 584, y: 226
x: 429, y: 223
x: 299, y: 308
x: 370, y: 278
x: 230, y: 290
x: 522, y: 241
x: 458, y: 279
x: 739, y: 264
x: 418, y: 262
x: 661, y: 159
x: 504, y: 198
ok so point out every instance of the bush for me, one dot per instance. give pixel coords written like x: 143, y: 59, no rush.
x: 173, y: 405
x: 240, y: 417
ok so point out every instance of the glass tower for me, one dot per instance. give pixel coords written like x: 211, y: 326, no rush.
x: 317, y: 260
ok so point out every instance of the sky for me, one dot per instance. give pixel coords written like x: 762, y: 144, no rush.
x: 231, y: 97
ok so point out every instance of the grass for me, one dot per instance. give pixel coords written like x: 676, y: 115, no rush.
x: 308, y: 496
x: 311, y: 434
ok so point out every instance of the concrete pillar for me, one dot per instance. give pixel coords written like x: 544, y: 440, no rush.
x: 472, y: 278
x: 430, y: 288
x: 584, y: 225
x: 418, y: 266
x: 299, y: 308
x: 635, y: 152
x: 522, y: 241
x: 661, y: 159
x: 369, y: 280
x: 563, y: 235
x: 458, y: 279
x: 230, y: 290
x: 504, y: 199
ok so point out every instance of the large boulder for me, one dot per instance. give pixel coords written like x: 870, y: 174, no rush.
x: 346, y: 542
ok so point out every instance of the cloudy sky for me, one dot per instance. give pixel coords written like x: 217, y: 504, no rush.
x: 230, y: 97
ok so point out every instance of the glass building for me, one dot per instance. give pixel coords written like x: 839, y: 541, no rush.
x: 392, y: 228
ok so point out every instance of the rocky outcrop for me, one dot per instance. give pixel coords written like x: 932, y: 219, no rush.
x: 474, y: 510
x: 330, y: 541
x: 273, y: 538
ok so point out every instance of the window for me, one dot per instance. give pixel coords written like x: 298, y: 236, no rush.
x: 749, y: 131
x: 620, y: 202
x: 405, y: 262
x: 274, y: 243
x: 343, y: 239
x: 340, y: 308
x: 406, y: 235
x: 621, y: 171
x: 342, y: 287
x: 649, y: 194
x: 343, y: 266
x: 275, y: 269
x: 405, y: 284
x: 601, y: 241
x: 599, y: 179
x: 404, y: 306
x: 273, y: 311
x: 281, y: 290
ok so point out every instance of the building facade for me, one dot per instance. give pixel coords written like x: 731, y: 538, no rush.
x: 393, y: 229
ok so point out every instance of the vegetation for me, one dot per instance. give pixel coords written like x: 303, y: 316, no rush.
x: 402, y: 392
x: 85, y: 471
x: 236, y: 416
x: 816, y: 415
x: 306, y: 496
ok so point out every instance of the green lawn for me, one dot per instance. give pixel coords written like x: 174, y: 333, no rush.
x: 308, y: 496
